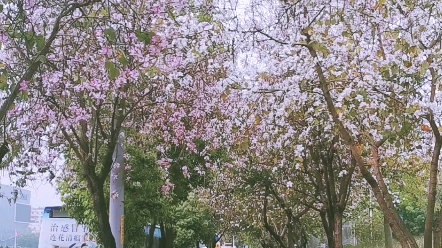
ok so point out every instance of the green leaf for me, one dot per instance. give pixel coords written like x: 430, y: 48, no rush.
x: 40, y: 42
x: 424, y: 67
x: 29, y: 39
x: 395, y: 69
x: 112, y: 70
x: 25, y: 95
x: 114, y: 73
x: 109, y: 65
x: 153, y: 71
x: 406, y: 127
x: 3, y: 81
x: 3, y: 85
x: 145, y: 37
x: 320, y: 48
x: 123, y: 60
x: 29, y: 35
x: 205, y: 17
x: 110, y: 34
x: 346, y: 34
x: 1, y: 7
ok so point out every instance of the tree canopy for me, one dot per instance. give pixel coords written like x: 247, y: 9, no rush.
x: 279, y: 112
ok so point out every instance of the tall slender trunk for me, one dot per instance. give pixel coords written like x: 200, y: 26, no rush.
x: 337, y: 230
x: 163, y: 235
x: 170, y: 234
x: 431, y: 198
x: 290, y: 234
x: 388, y: 235
x: 437, y: 238
x: 432, y: 185
x: 404, y: 236
x: 328, y: 231
x: 151, y: 235
x: 384, y: 199
x: 100, y: 208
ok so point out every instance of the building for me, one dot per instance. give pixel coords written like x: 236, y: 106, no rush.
x: 15, y: 212
x: 36, y: 215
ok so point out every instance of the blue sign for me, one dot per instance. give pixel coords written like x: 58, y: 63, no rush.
x: 217, y: 239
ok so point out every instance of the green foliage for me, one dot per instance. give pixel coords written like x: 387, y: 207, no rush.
x: 144, y: 201
x: 144, y: 36
x: 194, y: 222
x: 204, y: 17
x: 412, y: 206
x: 413, y: 216
x: 110, y: 34
x: 143, y: 198
x: 370, y: 230
x: 112, y: 70
x: 78, y: 201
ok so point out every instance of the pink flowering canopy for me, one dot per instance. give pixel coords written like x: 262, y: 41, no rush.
x: 84, y: 70
x: 154, y: 68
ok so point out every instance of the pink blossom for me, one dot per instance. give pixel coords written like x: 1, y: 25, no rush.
x: 106, y: 51
x: 165, y: 163
x: 30, y: 3
x: 3, y: 37
x: 158, y: 8
x: 114, y: 176
x: 114, y: 195
x: 186, y: 173
x: 167, y: 188
x: 208, y: 165
x: 180, y: 4
x: 24, y: 85
x: 180, y: 132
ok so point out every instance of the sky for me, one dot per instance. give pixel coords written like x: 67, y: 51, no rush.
x: 42, y: 193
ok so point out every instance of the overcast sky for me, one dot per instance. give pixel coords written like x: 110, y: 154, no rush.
x: 42, y: 193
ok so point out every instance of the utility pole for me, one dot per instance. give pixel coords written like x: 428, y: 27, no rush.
x: 116, y: 206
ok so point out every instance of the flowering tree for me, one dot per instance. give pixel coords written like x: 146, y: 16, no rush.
x: 371, y: 66
x: 364, y: 73
x: 108, y: 66
x: 275, y: 158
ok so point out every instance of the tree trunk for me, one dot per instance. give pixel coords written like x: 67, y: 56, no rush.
x: 337, y: 232
x: 432, y: 185
x: 384, y: 200
x: 170, y: 234
x: 437, y: 238
x: 383, y: 197
x: 388, y: 235
x: 100, y: 208
x: 328, y: 231
x: 163, y: 235
x: 431, y: 198
x: 290, y: 235
x: 151, y: 234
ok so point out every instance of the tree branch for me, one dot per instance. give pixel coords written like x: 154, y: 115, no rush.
x: 37, y: 61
